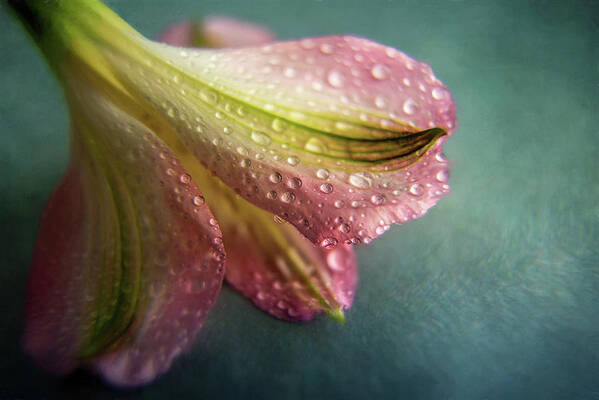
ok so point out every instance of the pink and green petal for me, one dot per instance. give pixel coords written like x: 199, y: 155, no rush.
x: 325, y: 158
x: 129, y: 259
x: 269, y: 261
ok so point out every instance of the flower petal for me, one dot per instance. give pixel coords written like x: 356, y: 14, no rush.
x: 217, y: 32
x: 128, y: 261
x: 340, y: 132
x: 271, y: 263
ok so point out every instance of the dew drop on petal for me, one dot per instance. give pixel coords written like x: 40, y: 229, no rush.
x: 380, y: 71
x: 360, y: 180
x: 377, y: 199
x: 288, y: 197
x: 315, y: 145
x: 293, y: 161
x: 328, y: 243
x: 294, y: 183
x: 410, y: 106
x: 322, y: 173
x: 442, y: 176
x: 416, y: 189
x: 338, y: 203
x: 198, y: 200
x: 185, y: 179
x: 326, y: 188
x: 245, y: 163
x: 275, y: 177
x: 272, y: 195
x: 335, y: 78
x: 278, y: 125
x: 260, y: 138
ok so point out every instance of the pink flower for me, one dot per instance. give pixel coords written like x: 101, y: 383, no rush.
x: 337, y: 137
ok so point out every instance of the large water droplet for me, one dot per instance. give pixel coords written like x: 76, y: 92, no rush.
x: 185, y: 179
x: 410, y: 106
x: 361, y: 180
x: 335, y: 78
x: 278, y: 125
x: 293, y: 161
x: 326, y: 188
x: 272, y: 195
x: 345, y: 228
x: 315, y: 145
x: 438, y: 93
x: 275, y: 177
x: 380, y: 71
x: 416, y: 189
x: 377, y: 199
x: 294, y: 183
x: 288, y: 197
x: 329, y: 243
x: 198, y: 200
x: 442, y: 176
x: 260, y: 138
x: 322, y: 173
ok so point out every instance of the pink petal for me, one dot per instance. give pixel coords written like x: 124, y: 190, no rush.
x: 273, y: 264
x: 217, y: 32
x: 129, y: 259
x: 334, y: 135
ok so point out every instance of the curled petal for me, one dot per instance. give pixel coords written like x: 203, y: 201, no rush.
x: 127, y: 263
x: 340, y: 132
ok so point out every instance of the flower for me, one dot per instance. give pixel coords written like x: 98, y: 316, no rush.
x: 339, y: 136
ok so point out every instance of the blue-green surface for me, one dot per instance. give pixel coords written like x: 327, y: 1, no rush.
x: 492, y: 295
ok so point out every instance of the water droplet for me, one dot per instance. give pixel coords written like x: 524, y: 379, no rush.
x: 209, y: 96
x: 339, y: 203
x: 288, y: 197
x: 326, y: 188
x: 326, y: 48
x: 441, y: 157
x: 361, y: 180
x: 245, y: 163
x: 260, y: 138
x: 281, y: 305
x: 185, y: 179
x: 272, y: 195
x: 391, y: 52
x: 275, y: 177
x: 294, y: 183
x: 410, y: 106
x: 293, y: 161
x: 442, y: 176
x: 315, y: 145
x: 380, y: 71
x: 345, y: 228
x: 171, y: 172
x: 380, y: 102
x: 377, y: 199
x: 322, y: 173
x: 380, y: 230
x: 217, y: 240
x: 198, y: 200
x: 260, y: 296
x: 329, y: 243
x: 336, y: 78
x: 278, y: 125
x: 212, y: 222
x: 416, y: 189
x: 219, y: 115
x: 438, y: 93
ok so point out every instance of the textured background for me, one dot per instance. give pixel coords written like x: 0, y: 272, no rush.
x: 493, y: 295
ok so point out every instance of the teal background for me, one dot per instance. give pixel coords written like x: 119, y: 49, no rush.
x: 494, y: 294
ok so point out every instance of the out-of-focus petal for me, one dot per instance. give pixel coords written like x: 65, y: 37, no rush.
x: 129, y: 259
x: 217, y: 32
x: 339, y: 136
